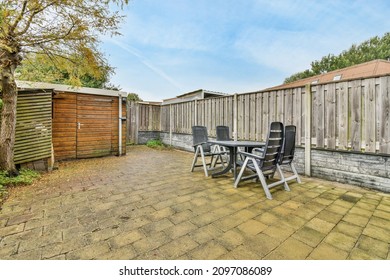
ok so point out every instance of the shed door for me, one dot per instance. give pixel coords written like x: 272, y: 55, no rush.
x: 94, y: 125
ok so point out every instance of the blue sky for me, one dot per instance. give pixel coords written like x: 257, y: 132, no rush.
x: 170, y: 47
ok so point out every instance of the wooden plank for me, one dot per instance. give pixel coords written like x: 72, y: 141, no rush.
x: 272, y: 111
x: 330, y: 122
x: 266, y: 118
x: 384, y: 143
x: 320, y: 120
x: 342, y: 115
x: 240, y: 116
x: 33, y: 132
x: 297, y: 114
x: 370, y: 115
x: 246, y: 112
x: 356, y: 118
x: 280, y: 108
x: 259, y: 113
x: 252, y: 117
x: 308, y: 136
x: 288, y: 106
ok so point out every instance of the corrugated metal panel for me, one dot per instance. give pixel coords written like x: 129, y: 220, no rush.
x: 33, y: 136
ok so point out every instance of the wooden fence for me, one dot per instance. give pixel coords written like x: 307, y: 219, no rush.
x: 349, y: 115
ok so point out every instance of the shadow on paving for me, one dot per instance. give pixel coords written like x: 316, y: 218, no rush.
x: 148, y: 205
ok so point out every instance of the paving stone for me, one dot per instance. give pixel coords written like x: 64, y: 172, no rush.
x: 291, y: 249
x: 208, y: 251
x: 125, y: 238
x: 89, y: 252
x: 321, y: 225
x: 242, y: 252
x: 279, y: 232
x: 261, y: 244
x: 359, y: 254
x: 180, y: 229
x: 349, y: 229
x: 309, y: 236
x: 11, y: 229
x: 373, y: 247
x: 205, y: 233
x: 231, y: 239
x: 325, y: 251
x: 379, y: 222
x: 114, y: 208
x: 151, y: 242
x: 329, y: 216
x: 153, y: 227
x: 3, y: 222
x: 340, y: 240
x: 252, y: 227
x: 377, y: 233
x: 180, y: 217
x: 356, y: 219
x: 122, y: 253
x: 178, y: 247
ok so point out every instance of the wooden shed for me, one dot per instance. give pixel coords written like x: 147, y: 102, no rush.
x: 86, y: 122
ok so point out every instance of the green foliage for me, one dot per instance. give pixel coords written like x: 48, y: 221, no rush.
x: 374, y: 48
x: 133, y: 97
x: 1, y: 103
x: 40, y: 68
x: 155, y: 143
x: 25, y: 177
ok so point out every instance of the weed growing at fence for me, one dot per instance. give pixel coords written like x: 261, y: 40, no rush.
x: 155, y: 143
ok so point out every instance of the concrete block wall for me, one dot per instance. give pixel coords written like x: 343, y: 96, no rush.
x: 365, y: 170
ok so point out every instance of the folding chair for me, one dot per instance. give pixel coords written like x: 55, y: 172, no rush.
x: 222, y: 135
x: 203, y: 149
x: 265, y: 161
x: 288, y: 151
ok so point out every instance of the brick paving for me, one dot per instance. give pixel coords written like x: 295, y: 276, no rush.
x: 148, y: 205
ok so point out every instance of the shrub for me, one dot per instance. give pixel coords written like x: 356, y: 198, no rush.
x: 155, y: 143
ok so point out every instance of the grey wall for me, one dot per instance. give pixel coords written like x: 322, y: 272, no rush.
x: 365, y: 170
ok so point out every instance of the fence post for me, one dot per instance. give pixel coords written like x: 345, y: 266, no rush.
x: 235, y: 118
x: 196, y: 112
x: 170, y: 124
x: 308, y: 118
x: 132, y: 122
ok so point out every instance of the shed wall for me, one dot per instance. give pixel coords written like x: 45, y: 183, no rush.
x: 86, y: 125
x: 33, y: 135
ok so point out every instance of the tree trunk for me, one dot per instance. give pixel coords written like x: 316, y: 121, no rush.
x: 8, y: 112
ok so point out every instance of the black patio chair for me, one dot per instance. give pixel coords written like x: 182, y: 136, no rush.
x: 265, y: 161
x: 223, y: 135
x: 288, y: 150
x: 203, y: 149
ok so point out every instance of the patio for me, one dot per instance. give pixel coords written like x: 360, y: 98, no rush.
x: 148, y: 205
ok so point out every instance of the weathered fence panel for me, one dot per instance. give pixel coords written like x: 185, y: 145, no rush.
x: 345, y: 115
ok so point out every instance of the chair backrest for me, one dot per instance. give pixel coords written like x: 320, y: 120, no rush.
x: 273, y: 147
x: 200, y: 136
x: 223, y: 133
x: 288, y: 149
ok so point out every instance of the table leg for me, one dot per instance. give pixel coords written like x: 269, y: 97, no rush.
x: 230, y: 165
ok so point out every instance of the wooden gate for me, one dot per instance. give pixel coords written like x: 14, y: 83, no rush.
x: 94, y: 125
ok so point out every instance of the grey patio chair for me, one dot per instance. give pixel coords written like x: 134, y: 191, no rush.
x: 288, y: 151
x: 265, y: 161
x: 203, y: 149
x: 222, y: 135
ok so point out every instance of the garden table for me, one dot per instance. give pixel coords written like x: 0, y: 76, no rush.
x: 233, y: 151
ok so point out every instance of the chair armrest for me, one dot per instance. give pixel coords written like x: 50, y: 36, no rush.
x: 200, y: 143
x: 251, y: 155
